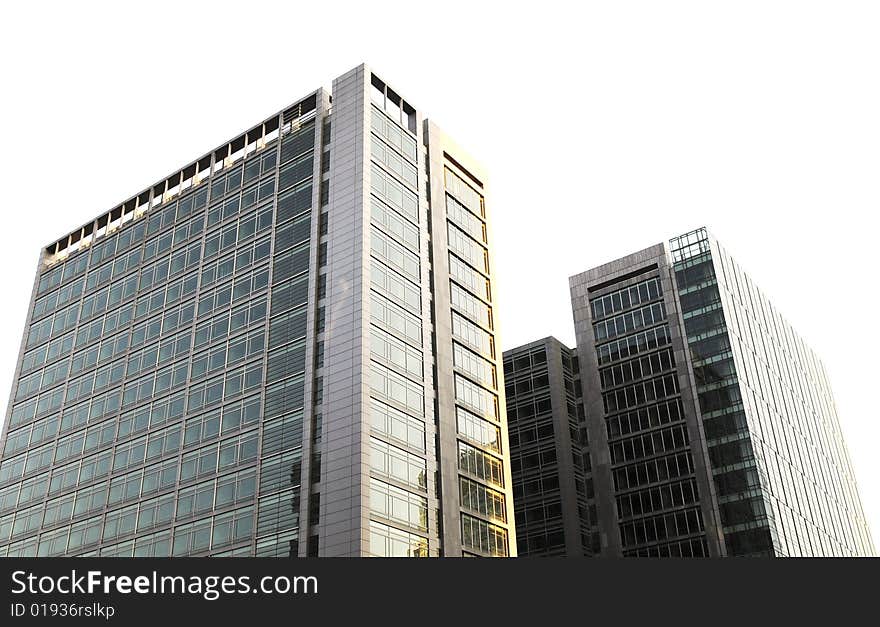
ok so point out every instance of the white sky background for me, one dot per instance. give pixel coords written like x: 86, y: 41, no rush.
x: 605, y: 127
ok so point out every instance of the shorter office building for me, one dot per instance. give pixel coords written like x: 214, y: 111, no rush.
x: 707, y: 425
x: 552, y: 484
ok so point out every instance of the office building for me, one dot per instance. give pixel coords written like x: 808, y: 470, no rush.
x: 712, y: 427
x: 284, y: 348
x: 549, y: 457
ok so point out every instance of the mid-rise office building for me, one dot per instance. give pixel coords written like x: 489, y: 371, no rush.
x: 550, y: 462
x: 285, y: 348
x: 712, y: 427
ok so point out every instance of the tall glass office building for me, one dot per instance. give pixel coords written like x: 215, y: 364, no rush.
x: 712, y: 425
x: 285, y: 348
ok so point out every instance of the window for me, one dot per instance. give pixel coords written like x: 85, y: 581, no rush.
x: 395, y: 319
x: 394, y: 224
x: 631, y: 321
x: 393, y: 352
x: 392, y: 133
x: 480, y: 464
x: 478, y: 430
x: 396, y: 256
x: 396, y: 504
x: 470, y: 306
x: 482, y: 536
x: 472, y: 335
x: 475, y: 366
x: 476, y: 397
x: 484, y: 500
x: 464, y: 193
x: 192, y: 538
x: 397, y: 425
x: 626, y: 298
x: 387, y: 541
x: 462, y: 217
x: 394, y: 193
x: 398, y: 464
x: 395, y: 387
x: 467, y: 248
x: 389, y: 158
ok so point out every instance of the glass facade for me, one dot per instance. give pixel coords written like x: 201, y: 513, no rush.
x: 399, y: 523
x: 714, y: 421
x: 162, y: 353
x: 783, y: 477
x: 480, y: 416
x: 550, y: 463
x: 652, y: 471
x: 187, y: 354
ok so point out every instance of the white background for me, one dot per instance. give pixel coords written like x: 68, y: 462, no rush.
x: 605, y: 127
